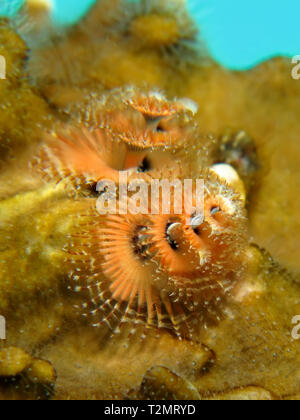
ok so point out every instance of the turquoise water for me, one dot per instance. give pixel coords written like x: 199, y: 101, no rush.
x: 239, y: 33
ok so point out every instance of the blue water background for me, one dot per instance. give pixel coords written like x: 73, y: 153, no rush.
x: 238, y: 33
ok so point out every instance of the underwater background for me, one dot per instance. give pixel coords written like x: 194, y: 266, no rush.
x: 239, y: 35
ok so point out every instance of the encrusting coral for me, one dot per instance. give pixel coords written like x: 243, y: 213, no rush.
x: 18, y: 124
x: 97, y: 54
x: 93, y: 103
x: 33, y: 376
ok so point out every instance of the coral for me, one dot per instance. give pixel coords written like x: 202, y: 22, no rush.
x: 250, y: 393
x: 274, y: 98
x: 155, y: 30
x: 59, y: 114
x: 118, y: 131
x: 231, y: 177
x: 142, y: 119
x: 132, y: 267
x: 22, y: 108
x: 161, y: 384
x: 23, y: 377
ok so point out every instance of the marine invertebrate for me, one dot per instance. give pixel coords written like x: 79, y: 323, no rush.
x: 252, y: 344
x: 162, y: 384
x: 18, y: 370
x: 74, y: 152
x: 13, y: 361
x: 155, y: 30
x: 250, y: 393
x: 109, y: 32
x: 118, y: 131
x: 34, y: 23
x: 240, y: 151
x: 14, y: 135
x: 165, y: 27
x: 164, y: 270
x: 158, y: 268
